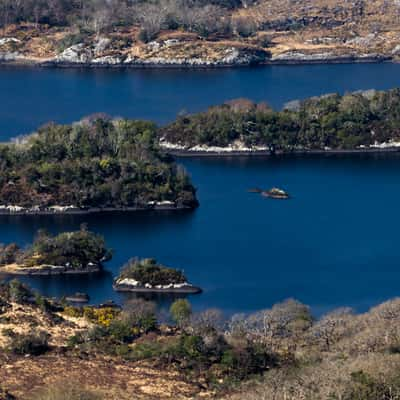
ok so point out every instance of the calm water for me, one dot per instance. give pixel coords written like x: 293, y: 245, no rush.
x: 333, y: 244
x: 31, y: 97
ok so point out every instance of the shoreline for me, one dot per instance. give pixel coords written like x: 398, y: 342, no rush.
x: 346, y: 59
x: 48, y: 270
x: 142, y: 289
x: 268, y: 153
x: 94, y: 210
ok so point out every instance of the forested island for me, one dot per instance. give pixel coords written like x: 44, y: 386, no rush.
x: 196, y: 33
x: 359, y: 121
x: 105, y: 164
x: 97, y: 164
x: 149, y: 276
x: 78, y: 252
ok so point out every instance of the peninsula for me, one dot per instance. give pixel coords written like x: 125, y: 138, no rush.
x: 364, y: 121
x: 79, y: 252
x: 148, y: 276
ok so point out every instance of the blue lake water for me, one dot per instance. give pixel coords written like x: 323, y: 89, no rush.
x: 31, y: 97
x: 334, y: 244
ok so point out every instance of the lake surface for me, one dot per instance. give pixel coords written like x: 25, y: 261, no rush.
x: 31, y: 97
x: 334, y: 244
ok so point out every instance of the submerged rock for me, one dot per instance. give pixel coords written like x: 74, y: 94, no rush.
x: 78, y: 298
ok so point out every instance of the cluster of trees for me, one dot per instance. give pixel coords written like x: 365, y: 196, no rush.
x: 204, y: 17
x: 76, y: 249
x: 330, y: 121
x: 97, y: 162
x: 149, y: 271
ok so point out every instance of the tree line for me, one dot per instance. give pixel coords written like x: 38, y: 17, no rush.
x: 204, y: 17
x: 331, y: 121
x: 98, y: 162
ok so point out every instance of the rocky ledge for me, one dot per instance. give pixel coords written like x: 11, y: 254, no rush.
x: 162, y: 53
x: 163, y: 205
x: 131, y: 285
x: 298, y: 57
x: 45, y: 269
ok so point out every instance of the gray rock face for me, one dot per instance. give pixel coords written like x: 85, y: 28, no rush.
x: 7, y: 40
x: 232, y: 56
x: 396, y: 50
x: 75, y: 54
x: 107, y: 60
x: 81, y: 54
x: 8, y: 56
x: 299, y: 57
x: 101, y: 45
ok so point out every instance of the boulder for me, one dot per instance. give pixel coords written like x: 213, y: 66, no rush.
x: 77, y: 53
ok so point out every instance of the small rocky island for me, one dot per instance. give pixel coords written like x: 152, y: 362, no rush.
x: 275, y: 193
x: 79, y: 252
x: 148, y: 276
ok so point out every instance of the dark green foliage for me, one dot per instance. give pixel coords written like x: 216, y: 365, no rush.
x: 241, y: 362
x: 331, y: 121
x: 365, y: 387
x: 32, y: 343
x: 6, y: 395
x: 120, y: 331
x: 96, y: 163
x: 148, y: 271
x: 9, y: 253
x: 18, y: 292
x: 77, y: 249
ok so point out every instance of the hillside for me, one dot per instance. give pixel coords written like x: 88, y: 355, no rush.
x: 50, y: 350
x: 198, y: 33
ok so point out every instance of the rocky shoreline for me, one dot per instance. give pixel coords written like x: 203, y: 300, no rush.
x: 246, y: 60
x: 16, y: 210
x: 204, y: 153
x: 168, y: 289
x: 47, y: 270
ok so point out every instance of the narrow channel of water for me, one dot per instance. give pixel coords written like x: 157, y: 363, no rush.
x: 30, y: 97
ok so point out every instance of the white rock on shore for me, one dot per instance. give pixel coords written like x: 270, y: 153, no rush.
x: 234, y: 147
x: 134, y: 283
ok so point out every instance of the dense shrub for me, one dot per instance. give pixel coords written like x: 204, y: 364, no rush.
x: 18, y: 292
x: 77, y: 249
x: 148, y: 271
x: 365, y: 387
x: 181, y: 311
x: 30, y: 343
